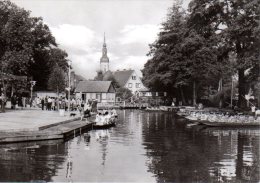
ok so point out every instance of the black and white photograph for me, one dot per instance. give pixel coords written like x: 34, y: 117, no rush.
x: 131, y: 91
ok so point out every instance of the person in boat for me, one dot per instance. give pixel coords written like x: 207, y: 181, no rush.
x: 107, y: 117
x: 102, y: 119
x: 113, y: 113
x: 98, y: 119
x: 86, y: 110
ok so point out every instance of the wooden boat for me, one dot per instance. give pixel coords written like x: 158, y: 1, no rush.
x: 230, y: 124
x: 105, y: 126
x: 110, y: 124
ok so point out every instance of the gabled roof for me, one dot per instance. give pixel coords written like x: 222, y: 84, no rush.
x: 144, y: 89
x: 122, y: 76
x: 93, y: 86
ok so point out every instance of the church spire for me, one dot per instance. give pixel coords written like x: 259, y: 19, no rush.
x: 104, y: 60
x: 104, y: 44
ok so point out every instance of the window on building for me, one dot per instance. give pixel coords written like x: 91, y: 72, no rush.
x: 133, y: 77
x: 137, y: 85
x: 129, y: 85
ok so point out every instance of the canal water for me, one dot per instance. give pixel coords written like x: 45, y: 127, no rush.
x: 143, y: 147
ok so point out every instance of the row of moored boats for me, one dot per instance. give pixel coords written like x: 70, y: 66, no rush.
x: 221, y: 119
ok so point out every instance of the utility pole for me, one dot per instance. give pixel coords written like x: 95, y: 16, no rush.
x: 3, y: 89
x: 231, y: 102
x: 69, y: 88
x: 32, y: 85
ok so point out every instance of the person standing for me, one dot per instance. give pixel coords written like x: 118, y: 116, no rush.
x: 49, y: 103
x: 13, y: 102
x: 42, y: 103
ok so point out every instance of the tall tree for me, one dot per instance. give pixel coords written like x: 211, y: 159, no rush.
x: 16, y: 38
x: 27, y: 46
x: 236, y: 24
x: 56, y: 80
x: 163, y: 72
x: 181, y: 57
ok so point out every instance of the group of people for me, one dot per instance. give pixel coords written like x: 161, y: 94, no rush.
x: 55, y: 103
x: 105, y: 117
x: 19, y: 101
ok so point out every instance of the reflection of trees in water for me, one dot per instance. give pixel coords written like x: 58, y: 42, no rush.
x: 247, y: 167
x: 185, y: 155
x: 31, y: 161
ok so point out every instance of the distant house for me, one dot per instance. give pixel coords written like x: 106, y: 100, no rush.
x: 102, y: 91
x: 43, y: 94
x: 129, y: 79
x: 152, y: 97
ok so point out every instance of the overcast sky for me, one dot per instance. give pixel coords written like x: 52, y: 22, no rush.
x: 79, y: 25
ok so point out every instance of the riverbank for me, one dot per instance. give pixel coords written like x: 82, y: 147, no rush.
x: 35, y: 124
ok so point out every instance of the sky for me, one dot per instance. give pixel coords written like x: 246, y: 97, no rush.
x: 79, y: 26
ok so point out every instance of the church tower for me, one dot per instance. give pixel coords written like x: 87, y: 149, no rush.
x: 104, y: 60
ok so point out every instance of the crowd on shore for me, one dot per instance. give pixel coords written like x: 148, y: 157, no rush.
x: 55, y: 103
x: 49, y: 103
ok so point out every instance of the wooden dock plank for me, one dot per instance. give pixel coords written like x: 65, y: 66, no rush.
x: 60, y: 131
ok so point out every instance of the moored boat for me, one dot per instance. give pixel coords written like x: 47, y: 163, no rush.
x: 104, y: 126
x: 230, y: 124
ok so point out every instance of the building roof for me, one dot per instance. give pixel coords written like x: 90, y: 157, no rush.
x: 144, y: 89
x: 93, y: 86
x: 107, y: 75
x: 122, y: 76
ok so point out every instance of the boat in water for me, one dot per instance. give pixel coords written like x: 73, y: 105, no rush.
x: 104, y: 122
x: 104, y: 126
x: 230, y: 124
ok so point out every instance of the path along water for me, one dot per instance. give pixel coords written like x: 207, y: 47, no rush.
x: 143, y: 147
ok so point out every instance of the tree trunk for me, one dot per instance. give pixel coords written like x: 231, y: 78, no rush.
x: 194, y: 93
x: 220, y: 88
x: 182, y: 96
x: 258, y: 100
x: 12, y: 90
x: 241, y: 89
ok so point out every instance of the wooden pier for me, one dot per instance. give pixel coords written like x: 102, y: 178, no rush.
x: 62, y: 130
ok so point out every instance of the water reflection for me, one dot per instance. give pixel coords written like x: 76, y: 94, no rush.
x: 31, y: 161
x: 211, y: 155
x: 143, y: 147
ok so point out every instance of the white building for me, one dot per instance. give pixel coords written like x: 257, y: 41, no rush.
x: 102, y: 91
x: 129, y: 79
x: 125, y: 78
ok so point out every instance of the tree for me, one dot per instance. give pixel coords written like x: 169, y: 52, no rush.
x: 16, y: 39
x: 27, y: 46
x: 164, y: 71
x: 236, y: 24
x: 56, y: 80
x: 193, y: 48
x: 99, y: 76
x: 181, y: 58
x: 123, y: 93
x: 108, y: 76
